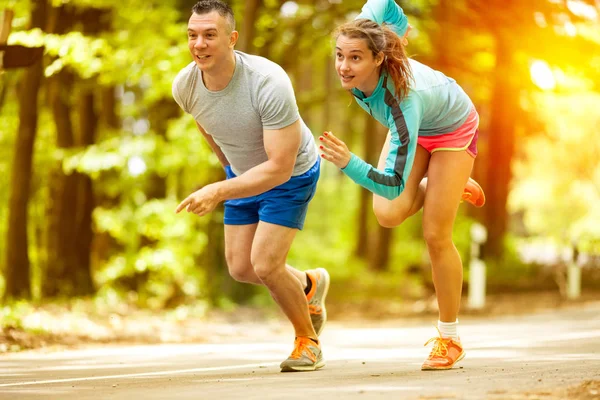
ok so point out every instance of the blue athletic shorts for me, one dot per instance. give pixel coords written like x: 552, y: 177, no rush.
x: 284, y: 205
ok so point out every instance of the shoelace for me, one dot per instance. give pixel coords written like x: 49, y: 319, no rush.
x: 314, y: 309
x: 465, y: 196
x: 440, y: 347
x: 300, y: 345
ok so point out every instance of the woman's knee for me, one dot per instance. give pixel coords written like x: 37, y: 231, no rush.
x: 436, y: 238
x: 388, y: 215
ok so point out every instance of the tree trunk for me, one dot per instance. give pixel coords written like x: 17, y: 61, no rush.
x: 443, y: 16
x: 379, y: 256
x: 88, y: 122
x: 218, y: 282
x: 93, y: 21
x: 105, y: 246
x: 68, y: 270
x: 60, y: 230
x: 305, y: 86
x: 159, y: 115
x: 381, y: 238
x: 17, y: 257
x: 500, y: 149
x: 361, y: 248
x: 109, y: 108
x: 328, y: 82
x: 248, y: 25
x: 61, y: 215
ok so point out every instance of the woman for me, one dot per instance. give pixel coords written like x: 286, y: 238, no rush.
x: 432, y: 132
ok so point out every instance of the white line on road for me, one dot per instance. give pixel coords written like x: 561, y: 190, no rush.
x: 158, y: 373
x: 503, y: 346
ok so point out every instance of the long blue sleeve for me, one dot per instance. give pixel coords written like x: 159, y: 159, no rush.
x: 403, y: 122
x: 359, y: 171
x: 385, y: 11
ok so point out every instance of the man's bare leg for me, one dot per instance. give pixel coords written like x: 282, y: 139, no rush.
x: 269, y: 251
x: 238, y: 246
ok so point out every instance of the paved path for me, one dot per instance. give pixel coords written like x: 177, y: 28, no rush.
x: 509, y: 357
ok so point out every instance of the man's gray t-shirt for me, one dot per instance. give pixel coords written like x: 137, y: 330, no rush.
x: 259, y: 96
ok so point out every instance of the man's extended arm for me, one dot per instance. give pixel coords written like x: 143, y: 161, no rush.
x: 281, y: 146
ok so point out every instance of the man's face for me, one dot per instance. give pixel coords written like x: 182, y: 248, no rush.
x: 210, y: 40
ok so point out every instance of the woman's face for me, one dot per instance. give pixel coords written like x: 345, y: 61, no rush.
x: 355, y: 64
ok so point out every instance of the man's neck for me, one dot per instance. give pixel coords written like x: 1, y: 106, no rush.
x: 218, y: 80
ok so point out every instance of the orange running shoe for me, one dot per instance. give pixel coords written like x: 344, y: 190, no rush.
x: 445, y: 353
x: 473, y: 193
x: 316, y: 298
x: 306, y: 356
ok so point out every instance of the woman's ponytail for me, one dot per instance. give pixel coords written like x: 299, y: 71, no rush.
x: 396, y: 62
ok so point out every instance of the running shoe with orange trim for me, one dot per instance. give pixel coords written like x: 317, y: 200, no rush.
x: 473, y: 193
x: 316, y: 298
x: 306, y: 356
x: 445, y: 354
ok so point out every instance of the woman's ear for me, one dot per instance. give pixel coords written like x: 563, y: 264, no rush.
x: 379, y: 58
x: 405, y: 37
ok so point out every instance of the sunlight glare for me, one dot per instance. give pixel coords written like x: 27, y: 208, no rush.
x: 542, y: 75
x: 570, y: 29
x: 582, y: 9
x: 136, y: 166
x: 540, y: 19
x: 289, y: 9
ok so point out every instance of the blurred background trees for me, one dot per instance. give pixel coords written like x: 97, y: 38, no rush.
x: 95, y: 154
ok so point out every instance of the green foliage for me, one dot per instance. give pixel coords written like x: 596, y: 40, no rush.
x: 12, y: 315
x: 169, y: 263
x: 155, y: 243
x: 82, y: 53
x: 156, y: 258
x: 324, y: 242
x: 157, y: 246
x: 558, y: 181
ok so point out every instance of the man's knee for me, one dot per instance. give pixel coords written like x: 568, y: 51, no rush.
x: 266, y: 263
x: 239, y: 269
x: 242, y: 275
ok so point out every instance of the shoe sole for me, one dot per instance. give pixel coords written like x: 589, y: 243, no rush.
x: 480, y: 190
x: 315, y: 367
x: 429, y: 368
x: 324, y: 313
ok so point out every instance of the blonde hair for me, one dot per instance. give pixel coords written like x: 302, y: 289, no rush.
x: 380, y: 38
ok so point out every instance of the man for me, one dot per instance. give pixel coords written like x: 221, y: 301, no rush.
x: 245, y: 107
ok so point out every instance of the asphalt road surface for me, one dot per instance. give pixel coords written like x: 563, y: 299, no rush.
x: 535, y: 356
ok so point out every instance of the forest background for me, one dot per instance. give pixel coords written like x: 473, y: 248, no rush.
x: 95, y: 154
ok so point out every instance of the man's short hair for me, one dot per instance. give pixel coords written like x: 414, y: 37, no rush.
x: 224, y: 10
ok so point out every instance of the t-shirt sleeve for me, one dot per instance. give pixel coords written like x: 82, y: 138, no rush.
x: 385, y: 12
x: 276, y: 101
x: 177, y: 90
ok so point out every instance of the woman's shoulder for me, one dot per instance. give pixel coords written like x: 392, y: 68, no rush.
x: 425, y: 78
